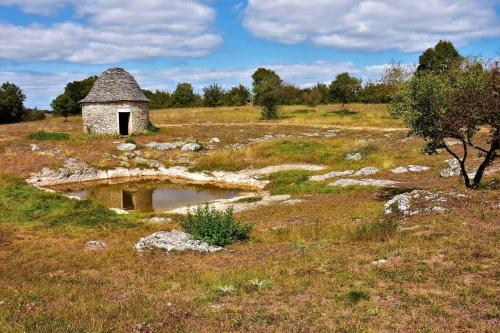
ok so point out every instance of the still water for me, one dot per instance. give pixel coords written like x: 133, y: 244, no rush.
x: 148, y: 196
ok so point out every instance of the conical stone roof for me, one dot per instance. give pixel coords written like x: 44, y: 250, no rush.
x: 115, y: 85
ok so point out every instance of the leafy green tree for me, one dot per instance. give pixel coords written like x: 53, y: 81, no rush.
x: 159, y: 99
x: 455, y: 104
x: 67, y: 103
x: 238, y: 96
x: 344, y: 88
x: 183, y: 96
x: 442, y: 57
x: 291, y: 94
x: 213, y: 95
x: 375, y: 93
x: 11, y: 103
x: 267, y: 92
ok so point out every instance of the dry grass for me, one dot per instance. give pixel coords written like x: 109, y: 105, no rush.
x: 306, y: 268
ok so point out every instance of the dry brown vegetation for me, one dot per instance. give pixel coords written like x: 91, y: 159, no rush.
x: 314, y: 258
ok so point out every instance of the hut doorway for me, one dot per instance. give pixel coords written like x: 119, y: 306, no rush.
x: 123, y: 121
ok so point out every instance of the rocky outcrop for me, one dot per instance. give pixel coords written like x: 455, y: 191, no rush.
x: 364, y: 182
x: 419, y: 201
x: 410, y: 168
x: 77, y: 171
x: 174, y: 241
x: 182, y: 145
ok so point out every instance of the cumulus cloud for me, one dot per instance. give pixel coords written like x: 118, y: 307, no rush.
x: 113, y: 31
x: 407, y: 26
x: 40, y: 88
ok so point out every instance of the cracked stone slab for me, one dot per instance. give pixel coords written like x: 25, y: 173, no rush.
x: 364, y: 182
x: 174, y: 241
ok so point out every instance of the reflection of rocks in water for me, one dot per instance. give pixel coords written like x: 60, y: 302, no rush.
x: 128, y: 199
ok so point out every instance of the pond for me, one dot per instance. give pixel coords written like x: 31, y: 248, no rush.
x: 149, y: 196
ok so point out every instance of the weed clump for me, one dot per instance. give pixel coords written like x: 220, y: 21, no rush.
x: 215, y: 227
x: 380, y: 230
x: 356, y: 295
x: 44, y: 136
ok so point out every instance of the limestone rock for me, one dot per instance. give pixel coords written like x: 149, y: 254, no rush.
x: 354, y: 156
x: 126, y: 146
x: 364, y: 182
x: 191, y: 146
x: 95, y: 245
x: 368, y: 171
x: 331, y: 174
x: 174, y: 241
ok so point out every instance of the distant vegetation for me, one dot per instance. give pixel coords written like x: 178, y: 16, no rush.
x: 66, y: 104
x: 42, y: 136
x: 12, y: 108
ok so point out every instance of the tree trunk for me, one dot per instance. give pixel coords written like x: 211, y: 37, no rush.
x: 490, y: 156
x: 461, y: 162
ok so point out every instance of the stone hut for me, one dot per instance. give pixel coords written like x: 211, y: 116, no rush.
x: 115, y: 105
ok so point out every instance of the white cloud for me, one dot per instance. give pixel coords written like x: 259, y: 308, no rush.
x: 40, y: 88
x: 43, y: 7
x: 372, y: 24
x: 115, y: 30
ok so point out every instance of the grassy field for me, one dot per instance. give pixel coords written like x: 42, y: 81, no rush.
x: 307, y: 267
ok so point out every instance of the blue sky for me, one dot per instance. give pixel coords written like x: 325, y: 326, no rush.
x: 47, y: 43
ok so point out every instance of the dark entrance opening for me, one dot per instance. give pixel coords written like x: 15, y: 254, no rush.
x: 127, y: 200
x: 123, y: 119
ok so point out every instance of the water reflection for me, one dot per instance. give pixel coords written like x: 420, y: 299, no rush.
x: 152, y: 195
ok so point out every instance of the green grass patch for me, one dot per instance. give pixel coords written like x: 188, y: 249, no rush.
x: 44, y: 136
x: 297, y: 182
x: 23, y: 205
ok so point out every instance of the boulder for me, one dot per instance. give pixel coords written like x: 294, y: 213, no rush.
x: 174, y: 241
x: 354, y: 156
x: 126, y: 146
x: 367, y: 171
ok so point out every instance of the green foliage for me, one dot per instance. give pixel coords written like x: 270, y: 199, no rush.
x: 184, y: 96
x: 159, y: 99
x: 23, y: 205
x: 11, y: 103
x: 215, y: 227
x: 66, y: 104
x: 45, y: 136
x: 291, y: 94
x: 440, y: 58
x: 213, y: 95
x: 375, y: 93
x: 453, y: 104
x: 267, y: 92
x: 345, y: 88
x: 380, y: 230
x: 238, y: 96
x: 319, y: 94
x: 249, y: 200
x: 130, y: 140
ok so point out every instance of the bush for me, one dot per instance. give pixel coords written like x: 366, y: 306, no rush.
x: 42, y: 136
x: 215, y: 227
x: 130, y: 140
x: 33, y: 115
x: 152, y: 128
x: 356, y: 295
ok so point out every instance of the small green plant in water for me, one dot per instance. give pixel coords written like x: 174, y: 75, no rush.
x: 42, y: 136
x: 214, y: 227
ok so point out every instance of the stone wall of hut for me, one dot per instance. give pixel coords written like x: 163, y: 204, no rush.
x: 103, y: 117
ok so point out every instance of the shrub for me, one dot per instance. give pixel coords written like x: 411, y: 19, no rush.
x: 130, y: 140
x: 215, y: 227
x: 33, y: 115
x: 152, y: 128
x: 42, y: 135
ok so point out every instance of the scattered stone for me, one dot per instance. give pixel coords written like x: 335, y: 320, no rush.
x: 158, y: 220
x: 95, y: 245
x: 126, y: 146
x: 364, y: 182
x: 354, y: 156
x: 214, y: 140
x: 276, y: 168
x: 379, y: 262
x: 331, y: 174
x: 417, y: 168
x: 165, y: 145
x: 191, y: 146
x: 453, y: 170
x: 34, y: 147
x: 452, y: 142
x: 174, y: 241
x: 368, y: 171
x: 400, y: 170
x: 417, y: 201
x: 119, y: 211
